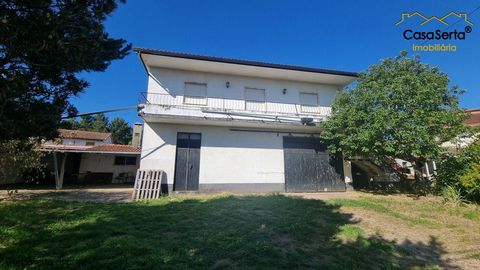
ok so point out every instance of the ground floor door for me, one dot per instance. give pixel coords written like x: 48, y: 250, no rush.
x: 309, y: 167
x: 187, y: 163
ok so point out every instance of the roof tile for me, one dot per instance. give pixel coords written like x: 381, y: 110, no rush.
x: 81, y: 134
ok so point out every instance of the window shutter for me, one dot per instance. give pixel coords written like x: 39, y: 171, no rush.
x: 255, y: 99
x: 195, y: 94
x: 309, y: 102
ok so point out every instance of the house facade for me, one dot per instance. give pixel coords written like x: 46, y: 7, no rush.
x: 218, y: 124
x: 86, y: 157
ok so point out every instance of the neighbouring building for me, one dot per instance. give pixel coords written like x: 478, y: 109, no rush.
x: 473, y: 121
x: 367, y: 174
x: 220, y: 124
x: 86, y: 157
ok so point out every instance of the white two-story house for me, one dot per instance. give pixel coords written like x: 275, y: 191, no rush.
x: 219, y: 124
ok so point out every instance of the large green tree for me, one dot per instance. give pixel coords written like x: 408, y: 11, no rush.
x: 400, y: 108
x: 99, y: 123
x: 44, y: 45
x: 121, y: 131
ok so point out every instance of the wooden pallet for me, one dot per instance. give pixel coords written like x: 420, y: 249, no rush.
x: 147, y: 185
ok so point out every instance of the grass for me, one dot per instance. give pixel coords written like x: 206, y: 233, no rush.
x: 205, y: 232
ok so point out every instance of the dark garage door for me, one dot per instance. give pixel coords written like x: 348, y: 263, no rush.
x: 309, y: 168
x: 187, y: 164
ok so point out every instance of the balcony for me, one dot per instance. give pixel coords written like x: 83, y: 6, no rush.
x: 166, y: 105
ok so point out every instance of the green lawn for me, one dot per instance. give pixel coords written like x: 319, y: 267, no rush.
x: 201, y: 232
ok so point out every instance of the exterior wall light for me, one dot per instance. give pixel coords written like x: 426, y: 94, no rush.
x: 284, y: 91
x: 227, y: 84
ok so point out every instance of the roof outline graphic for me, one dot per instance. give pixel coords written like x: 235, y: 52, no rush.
x: 426, y: 19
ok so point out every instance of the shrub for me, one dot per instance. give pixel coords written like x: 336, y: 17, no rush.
x: 470, y: 180
x: 19, y: 160
x: 462, y: 172
x: 452, y: 194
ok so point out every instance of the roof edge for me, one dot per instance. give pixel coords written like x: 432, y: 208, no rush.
x: 244, y: 62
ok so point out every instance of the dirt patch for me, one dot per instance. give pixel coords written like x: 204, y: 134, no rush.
x: 327, y: 195
x: 453, y: 243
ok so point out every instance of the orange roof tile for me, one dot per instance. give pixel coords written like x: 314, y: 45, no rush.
x: 115, y: 148
x: 81, y: 134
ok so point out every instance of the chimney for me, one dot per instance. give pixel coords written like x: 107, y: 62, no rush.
x: 137, y: 134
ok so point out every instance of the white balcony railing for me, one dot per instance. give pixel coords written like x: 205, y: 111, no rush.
x: 233, y: 105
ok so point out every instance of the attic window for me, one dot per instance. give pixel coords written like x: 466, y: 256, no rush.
x: 195, y: 94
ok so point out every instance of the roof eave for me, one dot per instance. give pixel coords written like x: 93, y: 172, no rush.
x: 241, y: 62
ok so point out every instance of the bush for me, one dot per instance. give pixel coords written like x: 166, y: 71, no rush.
x: 462, y: 172
x: 19, y: 160
x: 470, y: 180
x: 453, y: 195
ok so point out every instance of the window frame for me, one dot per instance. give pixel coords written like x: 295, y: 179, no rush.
x: 185, y: 102
x: 306, y: 105
x: 125, y: 159
x: 264, y: 102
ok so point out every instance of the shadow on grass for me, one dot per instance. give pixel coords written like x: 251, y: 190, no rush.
x: 220, y: 232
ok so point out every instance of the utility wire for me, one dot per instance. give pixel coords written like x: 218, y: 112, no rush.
x: 104, y: 111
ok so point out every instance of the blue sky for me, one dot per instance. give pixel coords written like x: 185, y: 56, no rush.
x: 344, y: 35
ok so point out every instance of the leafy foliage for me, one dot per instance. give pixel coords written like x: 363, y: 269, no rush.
x: 452, y: 194
x: 99, y: 123
x: 43, y: 47
x: 18, y: 158
x: 120, y: 129
x: 462, y: 171
x: 400, y: 108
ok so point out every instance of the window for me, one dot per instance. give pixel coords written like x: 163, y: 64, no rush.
x: 255, y: 99
x: 89, y: 143
x: 195, y: 94
x: 125, y: 160
x: 309, y: 102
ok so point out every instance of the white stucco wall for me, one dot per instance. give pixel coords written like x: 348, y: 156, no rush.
x: 167, y: 81
x: 226, y: 157
x: 104, y: 163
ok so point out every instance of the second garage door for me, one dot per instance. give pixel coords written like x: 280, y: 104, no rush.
x: 309, y: 168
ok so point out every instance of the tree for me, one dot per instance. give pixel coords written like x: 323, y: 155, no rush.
x: 99, y: 123
x: 85, y: 123
x: 44, y: 45
x: 121, y: 131
x: 400, y: 108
